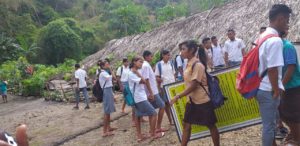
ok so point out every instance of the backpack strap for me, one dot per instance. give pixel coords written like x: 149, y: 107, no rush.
x: 193, y: 66
x: 159, y: 68
x: 121, y: 71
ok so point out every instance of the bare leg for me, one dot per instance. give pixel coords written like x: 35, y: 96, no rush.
x: 186, y: 134
x: 152, y: 120
x: 123, y: 107
x: 138, y: 127
x: 106, y: 123
x: 160, y: 117
x: 168, y: 112
x: 214, y: 135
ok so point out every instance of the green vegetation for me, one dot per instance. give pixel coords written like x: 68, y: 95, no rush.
x: 37, y: 36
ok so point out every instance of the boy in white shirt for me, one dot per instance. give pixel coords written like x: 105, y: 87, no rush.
x: 122, y: 78
x: 234, y: 49
x: 152, y: 90
x: 165, y: 74
x: 81, y: 76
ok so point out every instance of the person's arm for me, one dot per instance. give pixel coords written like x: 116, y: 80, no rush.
x: 146, y: 75
x: 273, y: 77
x: 243, y: 51
x: 158, y: 78
x: 226, y: 54
x: 226, y: 58
x: 77, y: 81
x: 118, y: 76
x: 288, y: 74
x: 180, y: 69
x: 186, y: 92
x: 243, y: 46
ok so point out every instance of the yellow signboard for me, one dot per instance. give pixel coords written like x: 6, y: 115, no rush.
x: 237, y: 112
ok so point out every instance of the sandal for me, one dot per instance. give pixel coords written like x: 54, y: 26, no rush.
x: 144, y: 137
x: 161, y: 130
x: 158, y: 135
x: 108, y: 134
x: 112, y: 129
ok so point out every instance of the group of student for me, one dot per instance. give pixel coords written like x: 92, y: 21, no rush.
x: 278, y: 68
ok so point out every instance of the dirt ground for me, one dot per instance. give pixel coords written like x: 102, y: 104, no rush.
x: 52, y: 123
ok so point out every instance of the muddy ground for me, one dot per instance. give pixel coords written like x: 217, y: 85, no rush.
x: 56, y: 124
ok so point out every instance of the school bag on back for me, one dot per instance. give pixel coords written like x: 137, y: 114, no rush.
x: 248, y: 79
x: 97, y: 89
x: 214, y: 91
x: 129, y: 97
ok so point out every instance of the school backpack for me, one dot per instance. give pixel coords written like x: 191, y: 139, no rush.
x: 160, y: 67
x: 129, y: 97
x: 214, y: 91
x: 97, y: 89
x: 248, y: 78
x: 175, y: 62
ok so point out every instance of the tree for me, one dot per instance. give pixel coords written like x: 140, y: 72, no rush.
x: 59, y: 41
x: 170, y: 12
x: 9, y: 49
x: 129, y: 19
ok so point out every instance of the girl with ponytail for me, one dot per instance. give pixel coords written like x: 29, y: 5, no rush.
x: 142, y: 106
x: 199, y: 109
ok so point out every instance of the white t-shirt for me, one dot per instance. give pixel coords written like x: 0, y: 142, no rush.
x: 139, y: 93
x: 167, y: 72
x: 270, y: 55
x: 234, y: 49
x: 217, y: 55
x: 105, y: 78
x: 179, y: 64
x: 124, y: 73
x: 81, y: 75
x: 148, y: 73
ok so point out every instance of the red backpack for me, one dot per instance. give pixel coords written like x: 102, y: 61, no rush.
x: 248, y: 79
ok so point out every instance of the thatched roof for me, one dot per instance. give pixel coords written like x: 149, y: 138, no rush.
x: 245, y: 16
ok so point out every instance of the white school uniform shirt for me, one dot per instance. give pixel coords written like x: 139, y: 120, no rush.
x: 179, y: 64
x: 167, y: 72
x: 139, y: 93
x: 124, y: 74
x: 105, y: 78
x: 270, y: 55
x: 217, y: 55
x: 148, y: 73
x: 234, y: 49
x: 81, y: 75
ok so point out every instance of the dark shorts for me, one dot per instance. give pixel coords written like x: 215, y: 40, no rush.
x: 144, y: 108
x: 200, y: 114
x: 3, y: 93
x: 289, y: 108
x: 158, y: 102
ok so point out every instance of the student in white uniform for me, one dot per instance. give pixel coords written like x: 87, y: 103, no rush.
x: 152, y: 90
x: 234, y: 49
x: 142, y: 106
x: 217, y: 54
x: 122, y: 77
x: 81, y: 86
x: 165, y: 74
x: 105, y: 80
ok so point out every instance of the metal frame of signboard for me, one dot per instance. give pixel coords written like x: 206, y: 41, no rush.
x: 206, y: 132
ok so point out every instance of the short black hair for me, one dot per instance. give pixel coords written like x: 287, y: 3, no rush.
x: 77, y: 65
x: 278, y: 9
x: 146, y: 53
x: 125, y: 59
x: 263, y: 27
x: 230, y: 30
x: 205, y: 40
x: 213, y: 37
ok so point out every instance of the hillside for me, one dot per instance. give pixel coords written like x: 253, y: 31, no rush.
x: 245, y: 16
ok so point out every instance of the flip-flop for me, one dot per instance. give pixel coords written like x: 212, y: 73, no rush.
x: 144, y: 137
x: 108, y: 134
x: 159, y: 135
x: 161, y: 130
x: 112, y: 129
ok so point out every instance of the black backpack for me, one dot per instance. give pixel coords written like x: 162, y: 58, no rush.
x: 214, y: 91
x: 97, y: 90
x: 175, y: 62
